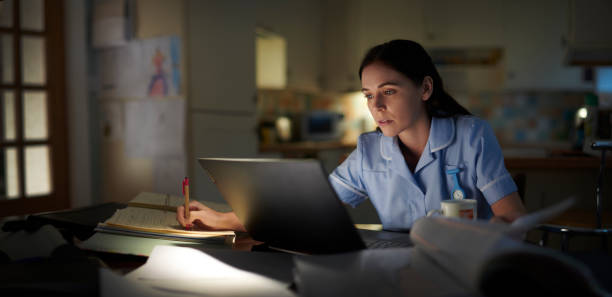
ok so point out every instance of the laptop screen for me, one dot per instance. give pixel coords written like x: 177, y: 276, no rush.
x: 287, y: 203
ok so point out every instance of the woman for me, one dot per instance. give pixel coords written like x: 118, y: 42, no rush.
x: 424, y: 140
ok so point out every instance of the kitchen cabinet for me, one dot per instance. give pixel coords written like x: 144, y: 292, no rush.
x: 530, y: 34
x: 474, y: 23
x: 533, y: 47
x: 589, y: 35
x: 326, y: 40
x: 353, y: 27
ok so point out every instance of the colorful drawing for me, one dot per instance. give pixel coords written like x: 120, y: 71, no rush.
x: 141, y: 69
x: 159, y: 84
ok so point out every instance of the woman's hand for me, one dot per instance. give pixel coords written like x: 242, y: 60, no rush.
x: 208, y: 219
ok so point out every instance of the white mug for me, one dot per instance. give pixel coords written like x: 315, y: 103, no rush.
x: 457, y: 208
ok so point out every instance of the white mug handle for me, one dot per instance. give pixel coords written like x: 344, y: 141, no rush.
x: 434, y: 211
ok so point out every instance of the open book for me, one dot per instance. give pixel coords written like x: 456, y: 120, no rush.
x: 488, y: 258
x: 154, y: 215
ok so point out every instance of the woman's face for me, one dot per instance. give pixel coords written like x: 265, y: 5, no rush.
x: 395, y: 101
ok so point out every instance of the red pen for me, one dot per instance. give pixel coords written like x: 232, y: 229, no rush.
x: 186, y: 194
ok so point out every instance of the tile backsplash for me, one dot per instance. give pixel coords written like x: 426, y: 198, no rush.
x: 538, y: 118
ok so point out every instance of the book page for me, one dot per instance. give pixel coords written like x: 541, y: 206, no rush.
x: 529, y: 221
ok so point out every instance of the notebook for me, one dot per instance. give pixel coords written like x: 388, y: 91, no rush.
x: 154, y: 215
x: 290, y: 205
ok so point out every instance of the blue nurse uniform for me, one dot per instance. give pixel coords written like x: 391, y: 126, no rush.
x: 464, y: 144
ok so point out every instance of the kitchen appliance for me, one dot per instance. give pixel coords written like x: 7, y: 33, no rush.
x: 321, y: 125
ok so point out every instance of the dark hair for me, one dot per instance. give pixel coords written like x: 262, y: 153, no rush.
x: 410, y: 59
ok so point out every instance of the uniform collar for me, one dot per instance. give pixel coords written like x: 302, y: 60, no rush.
x: 441, y: 135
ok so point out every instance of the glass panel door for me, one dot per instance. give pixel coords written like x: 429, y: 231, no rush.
x: 33, y: 144
x: 32, y: 15
x: 9, y: 174
x: 33, y: 60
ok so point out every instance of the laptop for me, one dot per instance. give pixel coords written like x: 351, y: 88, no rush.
x: 290, y: 205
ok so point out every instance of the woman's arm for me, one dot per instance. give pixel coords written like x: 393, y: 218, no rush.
x: 508, y: 209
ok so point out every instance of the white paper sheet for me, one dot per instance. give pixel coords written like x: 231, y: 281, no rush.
x: 155, y: 128
x: 187, y: 271
x: 121, y: 73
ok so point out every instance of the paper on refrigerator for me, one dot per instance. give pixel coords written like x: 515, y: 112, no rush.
x: 155, y: 128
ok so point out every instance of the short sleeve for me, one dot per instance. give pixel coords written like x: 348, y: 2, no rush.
x: 493, y: 180
x: 346, y: 179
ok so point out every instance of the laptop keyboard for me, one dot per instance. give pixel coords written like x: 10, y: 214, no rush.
x: 383, y: 244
